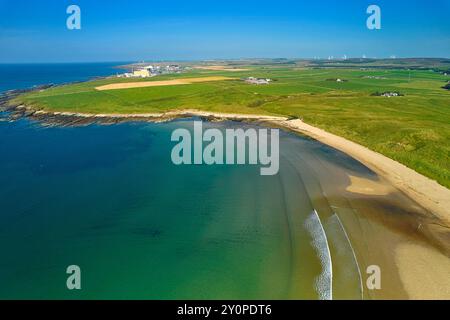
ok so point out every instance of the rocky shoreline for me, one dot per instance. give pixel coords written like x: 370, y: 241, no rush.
x: 72, y: 119
x: 58, y: 118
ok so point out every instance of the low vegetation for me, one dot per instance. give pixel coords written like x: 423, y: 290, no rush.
x: 413, y: 129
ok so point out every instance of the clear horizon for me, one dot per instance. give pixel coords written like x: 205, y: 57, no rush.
x: 205, y: 60
x: 199, y: 30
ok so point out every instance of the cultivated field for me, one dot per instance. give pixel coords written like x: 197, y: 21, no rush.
x: 220, y: 68
x: 413, y: 129
x: 143, y: 84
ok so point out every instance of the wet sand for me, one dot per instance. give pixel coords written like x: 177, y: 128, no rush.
x: 369, y: 222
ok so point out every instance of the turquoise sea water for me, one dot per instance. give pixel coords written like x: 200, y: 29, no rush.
x: 21, y: 76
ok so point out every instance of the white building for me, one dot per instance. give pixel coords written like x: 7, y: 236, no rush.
x: 142, y: 73
x: 258, y: 81
x: 390, y: 94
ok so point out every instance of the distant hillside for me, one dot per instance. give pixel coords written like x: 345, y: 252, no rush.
x: 436, y: 64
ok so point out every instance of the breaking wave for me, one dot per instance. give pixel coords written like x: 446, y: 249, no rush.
x: 324, y: 281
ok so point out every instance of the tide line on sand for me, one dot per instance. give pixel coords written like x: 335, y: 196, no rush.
x: 361, y: 286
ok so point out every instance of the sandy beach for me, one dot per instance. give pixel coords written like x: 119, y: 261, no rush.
x: 423, y: 270
x: 412, y: 260
x: 428, y: 193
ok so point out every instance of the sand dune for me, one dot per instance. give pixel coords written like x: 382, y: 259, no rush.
x: 368, y: 187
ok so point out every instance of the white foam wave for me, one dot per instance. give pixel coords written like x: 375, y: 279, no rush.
x: 324, y: 282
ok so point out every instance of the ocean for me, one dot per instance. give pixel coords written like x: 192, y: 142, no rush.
x: 22, y: 76
x: 108, y: 198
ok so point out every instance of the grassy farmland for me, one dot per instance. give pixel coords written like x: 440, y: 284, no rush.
x: 413, y: 129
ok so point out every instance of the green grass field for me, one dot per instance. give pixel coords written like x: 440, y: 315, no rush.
x: 413, y: 129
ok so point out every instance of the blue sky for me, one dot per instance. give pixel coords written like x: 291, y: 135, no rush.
x: 117, y: 30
